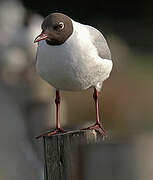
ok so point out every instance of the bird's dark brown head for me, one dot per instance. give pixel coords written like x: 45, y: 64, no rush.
x: 56, y: 29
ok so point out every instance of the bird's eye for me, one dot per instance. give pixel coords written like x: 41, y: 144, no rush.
x: 59, y: 26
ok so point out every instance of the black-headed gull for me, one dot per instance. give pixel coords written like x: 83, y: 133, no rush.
x: 72, y: 56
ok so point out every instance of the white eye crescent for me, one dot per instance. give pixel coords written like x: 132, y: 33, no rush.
x: 61, y: 25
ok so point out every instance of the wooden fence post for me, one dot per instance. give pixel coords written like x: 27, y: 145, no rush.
x: 61, y: 153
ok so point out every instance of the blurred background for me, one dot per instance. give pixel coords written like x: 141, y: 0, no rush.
x: 27, y: 102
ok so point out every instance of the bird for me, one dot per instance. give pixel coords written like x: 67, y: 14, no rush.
x: 72, y: 56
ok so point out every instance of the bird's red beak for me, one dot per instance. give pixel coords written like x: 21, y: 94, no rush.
x: 40, y: 37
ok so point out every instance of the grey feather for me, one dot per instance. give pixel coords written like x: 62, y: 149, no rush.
x: 100, y: 43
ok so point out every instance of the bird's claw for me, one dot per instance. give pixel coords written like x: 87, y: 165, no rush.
x: 51, y: 133
x: 97, y: 127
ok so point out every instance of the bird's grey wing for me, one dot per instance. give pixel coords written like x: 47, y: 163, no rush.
x: 100, y: 43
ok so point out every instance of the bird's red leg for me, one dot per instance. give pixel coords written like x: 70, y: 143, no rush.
x: 97, y: 126
x: 58, y: 126
x: 57, y: 102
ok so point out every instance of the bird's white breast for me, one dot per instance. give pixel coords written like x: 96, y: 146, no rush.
x: 74, y: 65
